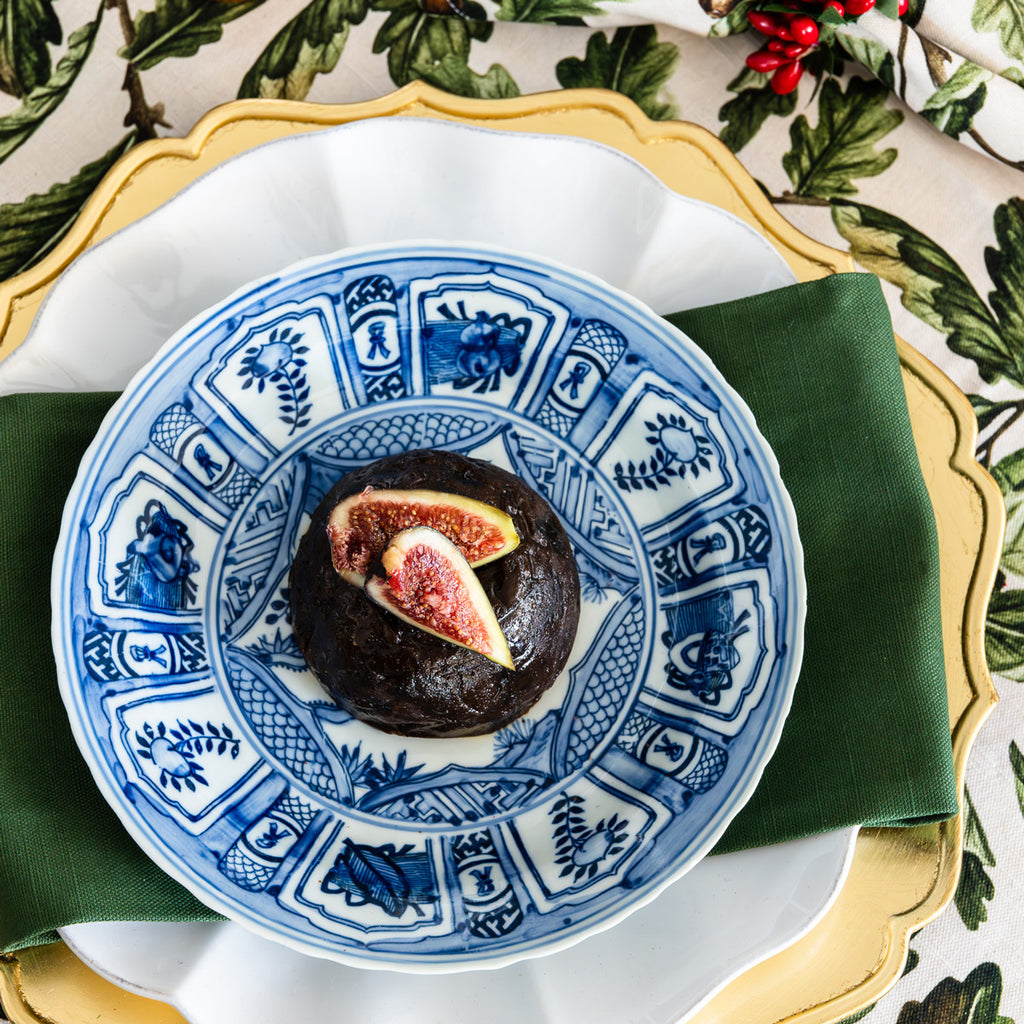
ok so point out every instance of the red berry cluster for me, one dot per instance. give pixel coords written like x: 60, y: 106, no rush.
x: 794, y: 34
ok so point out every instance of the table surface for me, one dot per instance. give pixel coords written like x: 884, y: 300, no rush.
x: 844, y: 163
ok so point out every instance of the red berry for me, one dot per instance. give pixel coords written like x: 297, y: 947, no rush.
x: 786, y: 77
x: 784, y: 33
x: 778, y: 46
x: 794, y: 51
x: 764, y: 23
x: 764, y: 61
x: 855, y: 8
x: 804, y: 29
x: 837, y: 7
x: 902, y: 7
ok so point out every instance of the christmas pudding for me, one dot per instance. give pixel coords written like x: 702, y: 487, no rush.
x: 434, y: 594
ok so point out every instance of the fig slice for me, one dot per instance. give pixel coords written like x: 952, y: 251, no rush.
x: 429, y: 584
x: 360, y: 527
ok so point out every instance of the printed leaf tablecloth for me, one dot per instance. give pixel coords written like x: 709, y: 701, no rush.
x: 910, y: 155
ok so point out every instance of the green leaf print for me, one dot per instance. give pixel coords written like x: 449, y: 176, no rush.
x: 1009, y: 474
x: 1006, y: 268
x: 1017, y: 767
x: 1004, y: 634
x: 1006, y: 17
x: 939, y: 292
x: 975, y: 1000
x: 26, y: 27
x: 734, y: 21
x: 309, y: 45
x: 18, y: 126
x: 871, y: 53
x: 29, y: 230
x: 455, y: 76
x: 417, y: 43
x: 547, y: 10
x: 633, y: 63
x: 1015, y: 75
x: 951, y: 108
x: 822, y: 162
x: 755, y: 101
x: 178, y: 28
x: 974, y: 886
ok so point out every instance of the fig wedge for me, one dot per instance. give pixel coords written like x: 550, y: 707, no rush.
x: 360, y: 527
x: 429, y: 584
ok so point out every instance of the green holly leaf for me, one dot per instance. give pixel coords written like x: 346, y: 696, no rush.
x: 936, y: 289
x: 824, y: 161
x: 987, y: 411
x: 633, y: 63
x: 754, y: 103
x: 1006, y: 268
x: 1009, y: 474
x: 455, y: 76
x: 975, y: 1000
x: 26, y: 27
x: 18, y: 126
x: 1005, y: 17
x: 309, y: 45
x: 975, y: 840
x: 177, y: 28
x: 29, y: 230
x: 734, y: 20
x: 867, y: 51
x: 1017, y: 767
x: 974, y: 887
x: 1004, y: 634
x: 418, y: 42
x: 557, y: 11
x: 915, y: 9
x: 951, y: 108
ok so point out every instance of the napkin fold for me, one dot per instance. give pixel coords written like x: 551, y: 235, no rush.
x: 867, y: 740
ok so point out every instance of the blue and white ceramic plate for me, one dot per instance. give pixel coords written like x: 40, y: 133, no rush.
x: 216, y: 745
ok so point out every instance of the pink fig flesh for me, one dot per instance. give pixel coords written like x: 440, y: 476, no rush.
x: 360, y: 527
x: 429, y: 584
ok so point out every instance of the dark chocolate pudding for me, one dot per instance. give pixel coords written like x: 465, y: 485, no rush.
x: 399, y: 678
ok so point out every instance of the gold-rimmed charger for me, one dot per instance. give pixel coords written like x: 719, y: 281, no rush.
x: 900, y: 878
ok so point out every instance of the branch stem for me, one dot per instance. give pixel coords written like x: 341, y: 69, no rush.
x: 984, y: 451
x: 793, y: 199
x: 140, y: 114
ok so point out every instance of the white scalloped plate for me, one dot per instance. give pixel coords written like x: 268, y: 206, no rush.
x: 351, y: 186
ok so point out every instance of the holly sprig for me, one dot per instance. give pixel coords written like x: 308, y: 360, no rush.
x: 798, y: 31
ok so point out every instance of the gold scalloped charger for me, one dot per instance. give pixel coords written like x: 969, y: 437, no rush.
x: 899, y: 879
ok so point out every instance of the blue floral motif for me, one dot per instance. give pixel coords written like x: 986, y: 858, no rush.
x: 679, y: 448
x: 473, y: 353
x: 578, y: 848
x: 279, y: 361
x: 174, y: 750
x: 281, y: 649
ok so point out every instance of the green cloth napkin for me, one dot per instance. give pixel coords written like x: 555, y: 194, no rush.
x: 867, y: 740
